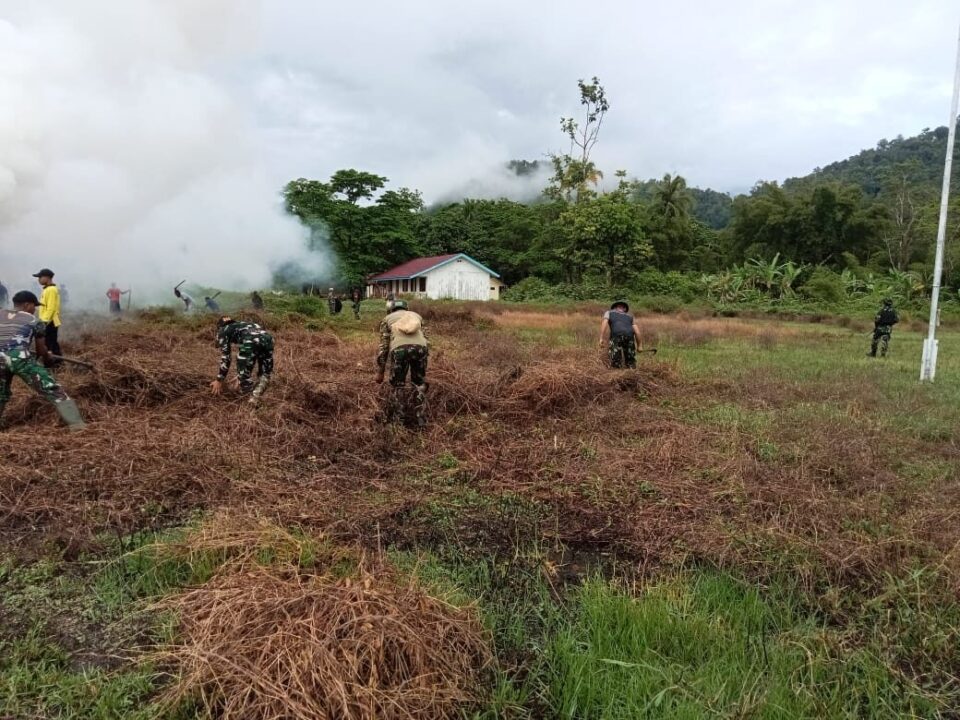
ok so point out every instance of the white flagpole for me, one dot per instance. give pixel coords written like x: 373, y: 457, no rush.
x: 928, y: 363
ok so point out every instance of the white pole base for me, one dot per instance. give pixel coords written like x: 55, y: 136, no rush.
x: 928, y: 363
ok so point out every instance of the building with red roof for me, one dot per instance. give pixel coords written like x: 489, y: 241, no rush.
x: 456, y: 276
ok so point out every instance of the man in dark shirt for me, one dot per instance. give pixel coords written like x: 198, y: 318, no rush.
x: 19, y: 329
x: 882, y: 328
x: 620, y: 334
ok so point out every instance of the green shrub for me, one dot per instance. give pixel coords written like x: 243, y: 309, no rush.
x: 654, y: 282
x: 824, y: 285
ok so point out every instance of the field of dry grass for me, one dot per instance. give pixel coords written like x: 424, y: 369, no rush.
x: 761, y: 449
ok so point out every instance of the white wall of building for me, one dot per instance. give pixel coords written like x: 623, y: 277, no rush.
x: 459, y: 280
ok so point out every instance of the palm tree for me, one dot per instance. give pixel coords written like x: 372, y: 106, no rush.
x: 672, y: 197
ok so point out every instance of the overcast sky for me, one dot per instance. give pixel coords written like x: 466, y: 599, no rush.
x: 435, y: 93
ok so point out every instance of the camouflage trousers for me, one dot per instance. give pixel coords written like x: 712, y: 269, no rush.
x: 23, y: 365
x: 623, y: 351
x: 881, y: 337
x: 356, y: 310
x: 259, y: 352
x: 406, y: 359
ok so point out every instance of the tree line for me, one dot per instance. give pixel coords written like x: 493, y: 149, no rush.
x: 853, y: 222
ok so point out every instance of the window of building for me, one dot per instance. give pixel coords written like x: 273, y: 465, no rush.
x: 423, y: 284
x: 406, y: 286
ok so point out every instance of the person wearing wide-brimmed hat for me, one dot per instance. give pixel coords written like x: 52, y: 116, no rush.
x: 50, y: 313
x: 19, y: 329
x: 620, y: 334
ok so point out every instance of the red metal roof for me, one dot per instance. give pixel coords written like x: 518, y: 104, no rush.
x: 412, y: 267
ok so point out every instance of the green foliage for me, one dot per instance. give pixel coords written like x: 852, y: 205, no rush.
x: 867, y: 214
x: 713, y: 209
x: 603, y: 236
x: 364, y: 238
x: 825, y: 285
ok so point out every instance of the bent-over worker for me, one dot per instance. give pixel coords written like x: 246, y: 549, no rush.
x: 620, y: 334
x: 403, y: 341
x: 19, y: 328
x: 254, y: 347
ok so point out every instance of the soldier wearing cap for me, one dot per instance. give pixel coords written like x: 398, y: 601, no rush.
x: 620, y: 334
x: 50, y: 314
x: 883, y: 324
x: 19, y: 329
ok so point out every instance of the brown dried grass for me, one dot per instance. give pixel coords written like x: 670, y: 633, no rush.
x: 604, y: 452
x: 289, y: 641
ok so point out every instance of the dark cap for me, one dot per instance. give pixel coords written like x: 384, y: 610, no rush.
x: 624, y: 303
x: 44, y: 271
x: 25, y: 296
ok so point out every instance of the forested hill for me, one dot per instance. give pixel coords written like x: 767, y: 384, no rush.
x: 918, y: 158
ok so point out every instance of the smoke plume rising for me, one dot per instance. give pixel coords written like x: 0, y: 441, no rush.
x: 123, y: 155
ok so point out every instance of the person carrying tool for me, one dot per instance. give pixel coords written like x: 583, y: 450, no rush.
x: 254, y: 347
x: 50, y: 315
x: 211, y: 303
x: 620, y: 334
x: 403, y: 341
x: 113, y: 295
x: 185, y: 298
x: 19, y: 328
x: 882, y: 328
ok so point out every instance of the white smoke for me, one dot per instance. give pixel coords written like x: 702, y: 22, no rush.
x: 124, y: 156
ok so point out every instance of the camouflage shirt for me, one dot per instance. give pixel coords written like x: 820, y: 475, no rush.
x: 18, y: 330
x: 239, y: 333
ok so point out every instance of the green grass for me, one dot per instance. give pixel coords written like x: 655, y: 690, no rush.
x: 38, y: 680
x: 705, y: 645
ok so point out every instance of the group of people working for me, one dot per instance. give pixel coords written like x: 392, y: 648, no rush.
x: 403, y: 350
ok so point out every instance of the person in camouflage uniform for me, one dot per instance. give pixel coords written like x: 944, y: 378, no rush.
x: 403, y: 342
x: 254, y: 347
x: 356, y: 297
x: 882, y: 328
x: 19, y: 328
x: 620, y: 334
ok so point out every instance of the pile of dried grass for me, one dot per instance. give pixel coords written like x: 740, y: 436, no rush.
x: 259, y: 642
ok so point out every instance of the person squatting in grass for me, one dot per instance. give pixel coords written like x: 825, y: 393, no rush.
x: 403, y: 341
x: 620, y: 334
x: 19, y: 328
x: 254, y: 347
x: 882, y: 328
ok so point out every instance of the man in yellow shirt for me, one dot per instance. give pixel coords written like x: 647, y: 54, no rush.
x: 50, y: 312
